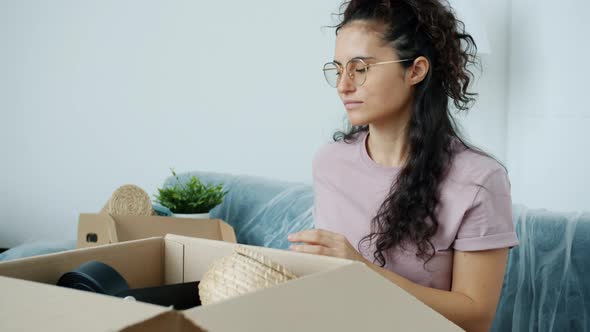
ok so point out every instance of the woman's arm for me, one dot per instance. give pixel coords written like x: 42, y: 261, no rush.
x: 476, y: 282
x: 476, y: 286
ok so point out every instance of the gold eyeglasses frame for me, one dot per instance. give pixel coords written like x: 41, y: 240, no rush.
x: 351, y: 75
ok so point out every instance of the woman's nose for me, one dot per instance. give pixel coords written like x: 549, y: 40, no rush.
x: 345, y: 84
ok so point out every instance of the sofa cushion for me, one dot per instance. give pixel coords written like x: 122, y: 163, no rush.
x: 262, y: 211
x: 546, y: 285
x: 37, y: 248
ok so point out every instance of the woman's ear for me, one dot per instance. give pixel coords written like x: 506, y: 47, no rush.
x: 418, y: 71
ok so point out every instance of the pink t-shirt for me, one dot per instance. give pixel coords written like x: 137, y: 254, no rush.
x: 475, y: 211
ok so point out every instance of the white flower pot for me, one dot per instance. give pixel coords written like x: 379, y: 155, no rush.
x: 193, y: 215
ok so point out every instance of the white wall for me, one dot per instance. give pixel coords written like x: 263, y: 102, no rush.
x: 549, y: 117
x: 97, y: 94
x: 485, y: 123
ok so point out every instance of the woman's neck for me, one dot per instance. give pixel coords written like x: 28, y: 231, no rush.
x: 387, y: 143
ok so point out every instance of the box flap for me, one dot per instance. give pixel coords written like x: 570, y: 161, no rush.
x: 200, y: 253
x: 140, y: 262
x: 173, y: 321
x: 173, y: 262
x: 227, y: 232
x: 97, y: 229
x: 31, y: 306
x: 349, y: 298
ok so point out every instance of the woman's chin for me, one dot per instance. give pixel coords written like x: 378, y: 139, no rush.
x: 357, y: 120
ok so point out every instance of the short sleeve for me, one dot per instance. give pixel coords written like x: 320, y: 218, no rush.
x: 487, y: 224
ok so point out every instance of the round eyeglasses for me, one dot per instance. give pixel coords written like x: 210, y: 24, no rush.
x: 356, y: 69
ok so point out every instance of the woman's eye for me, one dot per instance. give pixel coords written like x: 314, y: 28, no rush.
x: 362, y: 70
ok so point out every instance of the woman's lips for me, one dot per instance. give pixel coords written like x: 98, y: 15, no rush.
x: 349, y: 105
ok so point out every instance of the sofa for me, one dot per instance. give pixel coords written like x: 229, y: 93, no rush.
x: 547, y: 281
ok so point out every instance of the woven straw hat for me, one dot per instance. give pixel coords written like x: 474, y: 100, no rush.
x: 129, y: 200
x: 242, y: 272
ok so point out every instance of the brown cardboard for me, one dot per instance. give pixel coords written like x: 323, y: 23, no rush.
x: 168, y: 321
x: 100, y: 229
x: 140, y: 262
x: 31, y: 306
x: 331, y: 294
x: 329, y: 301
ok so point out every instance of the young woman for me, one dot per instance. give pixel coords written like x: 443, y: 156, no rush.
x: 400, y: 190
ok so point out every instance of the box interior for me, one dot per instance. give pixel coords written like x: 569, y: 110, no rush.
x: 154, y: 261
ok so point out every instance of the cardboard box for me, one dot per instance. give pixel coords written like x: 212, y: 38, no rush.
x: 332, y: 294
x: 100, y: 229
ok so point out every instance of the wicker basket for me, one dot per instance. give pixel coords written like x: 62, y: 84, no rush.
x: 242, y: 272
x: 129, y: 200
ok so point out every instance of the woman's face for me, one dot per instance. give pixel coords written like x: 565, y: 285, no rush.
x: 386, y: 94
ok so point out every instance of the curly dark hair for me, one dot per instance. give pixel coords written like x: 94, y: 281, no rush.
x: 416, y: 28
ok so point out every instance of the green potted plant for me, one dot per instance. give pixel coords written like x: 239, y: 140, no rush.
x: 192, y: 199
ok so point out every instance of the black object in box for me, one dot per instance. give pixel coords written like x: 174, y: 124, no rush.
x: 181, y: 296
x: 98, y: 277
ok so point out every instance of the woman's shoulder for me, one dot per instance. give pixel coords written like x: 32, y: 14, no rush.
x: 473, y: 166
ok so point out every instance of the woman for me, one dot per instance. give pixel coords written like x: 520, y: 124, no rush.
x: 401, y: 191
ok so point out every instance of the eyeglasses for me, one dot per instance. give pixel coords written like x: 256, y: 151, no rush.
x: 356, y: 69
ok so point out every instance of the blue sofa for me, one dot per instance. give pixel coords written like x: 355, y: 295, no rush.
x: 544, y: 287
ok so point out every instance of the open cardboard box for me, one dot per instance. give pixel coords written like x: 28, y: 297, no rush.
x: 99, y: 229
x: 332, y: 294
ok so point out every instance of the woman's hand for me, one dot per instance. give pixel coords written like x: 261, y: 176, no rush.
x: 326, y: 243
